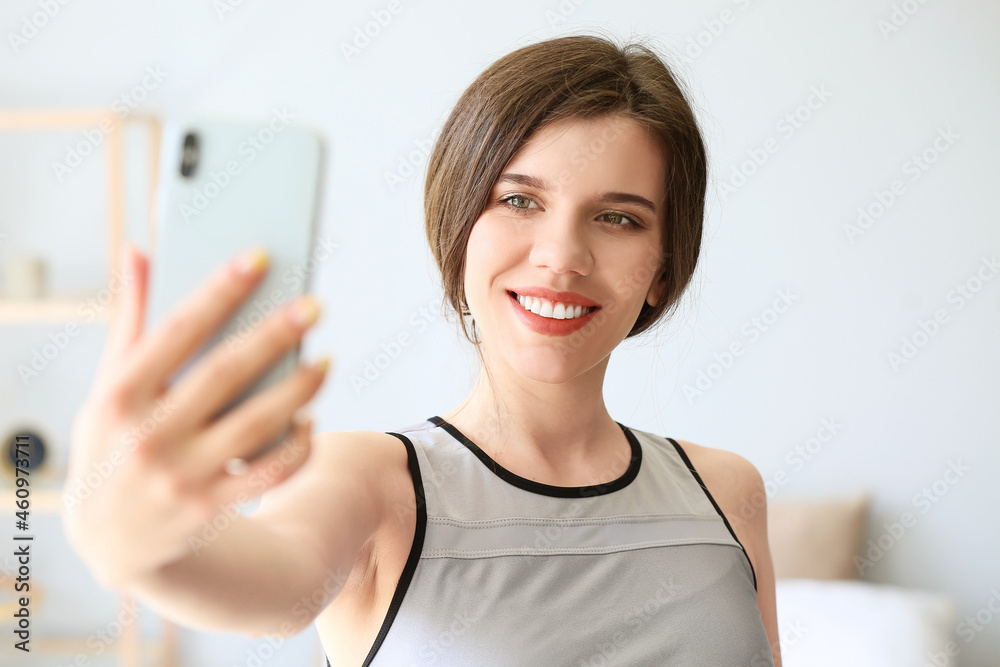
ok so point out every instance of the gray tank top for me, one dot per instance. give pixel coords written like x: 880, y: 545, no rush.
x: 504, y: 571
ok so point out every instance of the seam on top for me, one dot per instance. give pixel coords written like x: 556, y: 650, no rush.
x: 621, y: 519
x: 532, y: 551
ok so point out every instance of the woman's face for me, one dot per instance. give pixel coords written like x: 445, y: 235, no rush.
x: 578, y: 211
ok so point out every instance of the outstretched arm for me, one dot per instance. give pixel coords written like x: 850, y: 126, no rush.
x: 274, y: 571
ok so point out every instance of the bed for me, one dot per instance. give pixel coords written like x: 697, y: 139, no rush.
x: 828, y: 615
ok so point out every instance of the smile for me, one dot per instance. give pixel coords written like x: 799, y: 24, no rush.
x: 550, y: 318
x: 555, y: 310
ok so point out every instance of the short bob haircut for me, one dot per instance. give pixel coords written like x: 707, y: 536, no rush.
x: 580, y: 76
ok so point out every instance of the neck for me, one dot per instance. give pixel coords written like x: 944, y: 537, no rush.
x: 560, y: 430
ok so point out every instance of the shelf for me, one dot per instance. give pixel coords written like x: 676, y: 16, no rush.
x: 72, y: 307
x: 46, y: 119
x: 43, y: 501
x: 60, y: 308
x: 158, y: 652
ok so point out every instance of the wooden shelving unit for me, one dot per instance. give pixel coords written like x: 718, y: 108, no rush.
x: 131, y: 649
x: 63, y: 307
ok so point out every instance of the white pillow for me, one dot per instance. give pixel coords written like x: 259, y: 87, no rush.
x: 832, y: 623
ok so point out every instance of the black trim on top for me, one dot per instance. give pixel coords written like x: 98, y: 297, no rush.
x: 548, y: 489
x: 704, y: 488
x: 415, y: 549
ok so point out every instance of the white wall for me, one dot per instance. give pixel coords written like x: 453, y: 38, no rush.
x: 826, y: 358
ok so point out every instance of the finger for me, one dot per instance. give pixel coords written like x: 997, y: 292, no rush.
x: 243, y: 431
x: 269, y: 470
x: 160, y: 352
x: 127, y: 315
x: 228, y: 368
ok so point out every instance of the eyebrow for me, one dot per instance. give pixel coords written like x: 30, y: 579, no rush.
x: 606, y: 198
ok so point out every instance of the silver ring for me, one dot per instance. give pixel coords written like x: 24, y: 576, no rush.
x: 236, y: 466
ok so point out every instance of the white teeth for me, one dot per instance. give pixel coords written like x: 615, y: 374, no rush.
x: 552, y: 310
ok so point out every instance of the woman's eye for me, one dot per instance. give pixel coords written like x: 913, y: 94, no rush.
x: 620, y: 220
x: 517, y: 201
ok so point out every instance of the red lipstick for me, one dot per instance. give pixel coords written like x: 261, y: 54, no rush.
x: 548, y: 326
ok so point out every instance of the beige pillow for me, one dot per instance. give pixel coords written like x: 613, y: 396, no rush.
x: 817, y: 538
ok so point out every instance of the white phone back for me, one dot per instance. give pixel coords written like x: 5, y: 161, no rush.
x: 252, y: 184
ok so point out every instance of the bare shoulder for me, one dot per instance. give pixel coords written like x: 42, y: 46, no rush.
x: 737, y: 487
x: 378, y: 461
x: 350, y: 479
x: 364, y: 451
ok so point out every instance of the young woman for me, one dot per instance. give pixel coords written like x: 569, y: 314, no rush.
x: 564, y: 203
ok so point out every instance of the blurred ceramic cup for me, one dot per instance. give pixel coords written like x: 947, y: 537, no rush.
x: 24, y: 277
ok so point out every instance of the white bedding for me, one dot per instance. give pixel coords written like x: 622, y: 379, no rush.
x: 827, y: 623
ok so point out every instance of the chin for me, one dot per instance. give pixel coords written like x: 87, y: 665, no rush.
x: 553, y: 364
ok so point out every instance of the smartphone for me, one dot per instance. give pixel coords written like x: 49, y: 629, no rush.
x: 226, y: 186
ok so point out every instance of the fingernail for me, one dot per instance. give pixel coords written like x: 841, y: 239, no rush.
x: 305, y: 310
x: 252, y: 261
x: 323, y: 365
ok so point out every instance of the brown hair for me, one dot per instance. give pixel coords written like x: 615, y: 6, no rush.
x: 581, y: 76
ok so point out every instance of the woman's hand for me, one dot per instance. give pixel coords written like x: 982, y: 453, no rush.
x: 148, y: 464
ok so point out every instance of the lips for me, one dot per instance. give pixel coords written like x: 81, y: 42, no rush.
x: 548, y: 326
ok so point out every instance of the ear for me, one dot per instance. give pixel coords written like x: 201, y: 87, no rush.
x: 655, y: 291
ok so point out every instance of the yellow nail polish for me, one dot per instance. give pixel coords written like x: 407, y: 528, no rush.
x: 253, y: 261
x: 322, y: 365
x: 305, y: 310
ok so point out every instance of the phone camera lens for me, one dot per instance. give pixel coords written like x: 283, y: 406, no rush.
x: 189, y: 156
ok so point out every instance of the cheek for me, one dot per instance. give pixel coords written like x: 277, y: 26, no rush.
x: 480, y: 260
x: 491, y: 247
x: 490, y: 231
x: 634, y: 283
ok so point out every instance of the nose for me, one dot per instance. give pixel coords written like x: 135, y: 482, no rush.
x: 561, y: 243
